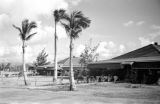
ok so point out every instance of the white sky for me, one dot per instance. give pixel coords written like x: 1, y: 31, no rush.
x: 118, y: 25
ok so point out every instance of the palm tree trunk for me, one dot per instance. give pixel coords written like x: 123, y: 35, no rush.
x: 55, y: 55
x: 72, y: 82
x: 24, y: 65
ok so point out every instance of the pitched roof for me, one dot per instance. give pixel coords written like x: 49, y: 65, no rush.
x: 157, y: 47
x: 146, y: 51
x: 75, y: 61
x: 149, y: 53
x: 63, y: 61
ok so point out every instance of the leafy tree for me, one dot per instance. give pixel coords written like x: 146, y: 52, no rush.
x: 25, y: 35
x: 41, y: 59
x: 8, y: 66
x: 5, y: 67
x: 74, y: 23
x: 89, y: 55
x: 57, y: 14
x: 2, y: 67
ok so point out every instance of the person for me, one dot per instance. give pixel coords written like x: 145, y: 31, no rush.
x: 109, y: 78
x: 115, y: 78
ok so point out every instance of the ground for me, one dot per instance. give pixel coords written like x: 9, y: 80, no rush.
x: 95, y: 93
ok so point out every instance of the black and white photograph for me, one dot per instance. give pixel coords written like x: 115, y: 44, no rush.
x: 79, y: 51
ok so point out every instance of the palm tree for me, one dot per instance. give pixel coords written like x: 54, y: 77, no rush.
x: 57, y: 17
x: 74, y: 24
x: 24, y: 33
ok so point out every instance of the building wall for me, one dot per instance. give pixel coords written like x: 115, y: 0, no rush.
x: 140, y: 72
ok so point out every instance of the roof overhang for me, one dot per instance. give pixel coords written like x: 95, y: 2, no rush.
x: 127, y: 63
x: 130, y: 60
x: 105, y: 66
x: 119, y: 63
x: 74, y: 66
x: 48, y: 67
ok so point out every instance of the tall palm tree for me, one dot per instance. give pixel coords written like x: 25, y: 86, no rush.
x: 58, y: 14
x: 74, y: 24
x: 24, y: 33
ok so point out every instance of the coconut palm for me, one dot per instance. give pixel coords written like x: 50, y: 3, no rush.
x: 57, y: 17
x: 25, y: 35
x: 74, y: 24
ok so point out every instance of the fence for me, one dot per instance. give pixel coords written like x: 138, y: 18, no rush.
x: 13, y: 79
x: 32, y: 80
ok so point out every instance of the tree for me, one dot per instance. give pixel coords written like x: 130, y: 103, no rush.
x: 58, y: 14
x: 5, y: 67
x: 2, y: 66
x: 25, y: 35
x: 8, y: 67
x: 74, y: 24
x: 89, y: 54
x: 41, y: 59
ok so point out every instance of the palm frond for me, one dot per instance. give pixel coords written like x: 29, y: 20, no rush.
x: 66, y: 17
x: 78, y: 31
x: 58, y: 14
x: 26, y: 29
x: 31, y: 25
x: 75, y: 23
x: 66, y: 26
x: 25, y: 25
x: 75, y: 33
x: 61, y: 12
x: 84, y: 22
x: 30, y: 36
x: 78, y: 14
x: 22, y: 36
x: 74, y: 36
x: 18, y: 28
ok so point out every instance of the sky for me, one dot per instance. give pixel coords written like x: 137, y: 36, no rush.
x: 118, y: 26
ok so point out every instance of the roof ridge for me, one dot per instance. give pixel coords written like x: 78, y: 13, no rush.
x: 75, y: 60
x: 156, y: 47
x: 66, y: 61
x: 62, y: 61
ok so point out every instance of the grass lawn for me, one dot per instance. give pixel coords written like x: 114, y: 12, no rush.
x: 98, y: 93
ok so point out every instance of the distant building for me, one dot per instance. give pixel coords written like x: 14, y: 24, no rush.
x: 138, y: 66
x: 63, y: 67
x: 77, y: 66
x: 47, y: 70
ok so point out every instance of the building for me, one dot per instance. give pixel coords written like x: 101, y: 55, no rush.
x: 63, y: 67
x: 139, y: 66
x: 48, y: 70
x: 77, y: 66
